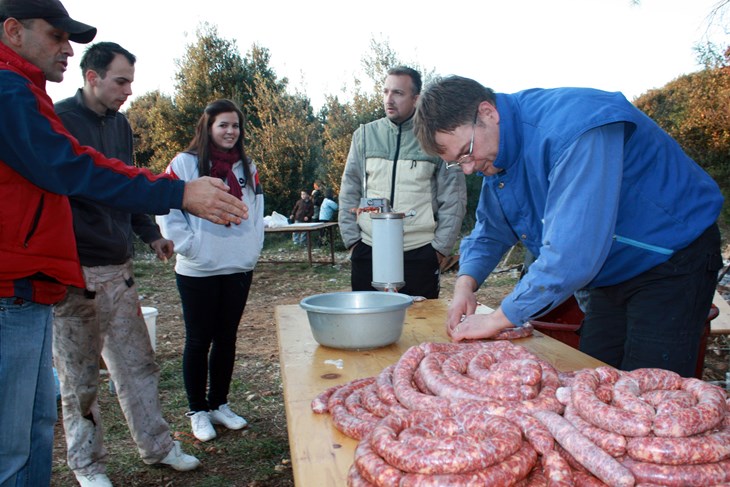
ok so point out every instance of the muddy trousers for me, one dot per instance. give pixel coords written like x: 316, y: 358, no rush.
x: 105, y: 320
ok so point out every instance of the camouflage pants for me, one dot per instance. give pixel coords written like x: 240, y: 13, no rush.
x: 105, y: 320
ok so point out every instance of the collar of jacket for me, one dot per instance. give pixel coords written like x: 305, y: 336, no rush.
x: 91, y: 114
x: 14, y: 62
x: 407, y: 124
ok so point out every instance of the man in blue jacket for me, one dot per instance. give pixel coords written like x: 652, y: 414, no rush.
x: 40, y: 164
x: 609, y: 204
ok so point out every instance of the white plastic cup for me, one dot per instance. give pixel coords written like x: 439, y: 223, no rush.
x: 150, y: 319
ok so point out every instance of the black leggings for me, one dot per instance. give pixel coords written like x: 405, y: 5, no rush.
x: 212, y: 309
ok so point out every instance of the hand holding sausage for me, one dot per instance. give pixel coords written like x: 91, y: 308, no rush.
x: 474, y: 327
x: 463, y: 303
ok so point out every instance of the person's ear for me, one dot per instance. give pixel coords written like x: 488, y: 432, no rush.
x: 13, y: 32
x: 488, y: 111
x: 91, y: 77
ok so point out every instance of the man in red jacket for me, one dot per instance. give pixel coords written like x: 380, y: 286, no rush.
x: 40, y: 163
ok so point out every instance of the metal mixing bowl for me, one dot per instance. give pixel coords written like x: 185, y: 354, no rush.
x: 357, y: 320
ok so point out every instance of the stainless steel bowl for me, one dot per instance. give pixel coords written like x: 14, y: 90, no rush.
x: 357, y: 320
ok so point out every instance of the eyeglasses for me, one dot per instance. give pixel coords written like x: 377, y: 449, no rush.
x: 465, y: 158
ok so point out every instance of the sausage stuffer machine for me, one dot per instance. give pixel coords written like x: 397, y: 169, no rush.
x: 387, y: 244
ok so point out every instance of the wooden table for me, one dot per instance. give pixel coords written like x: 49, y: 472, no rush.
x: 308, y: 228
x: 321, y: 455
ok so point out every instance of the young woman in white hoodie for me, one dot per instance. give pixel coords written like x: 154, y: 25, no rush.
x: 214, y: 265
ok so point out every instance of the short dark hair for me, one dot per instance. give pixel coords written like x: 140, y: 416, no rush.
x: 406, y: 71
x: 445, y: 104
x: 99, y: 56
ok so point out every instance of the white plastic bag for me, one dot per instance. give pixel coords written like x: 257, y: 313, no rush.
x: 275, y: 220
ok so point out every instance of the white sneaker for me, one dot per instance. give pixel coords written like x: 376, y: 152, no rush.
x: 223, y: 415
x: 202, y: 428
x: 179, y: 460
x: 93, y: 480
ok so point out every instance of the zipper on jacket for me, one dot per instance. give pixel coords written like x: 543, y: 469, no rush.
x: 34, y: 223
x: 642, y: 245
x: 395, y: 166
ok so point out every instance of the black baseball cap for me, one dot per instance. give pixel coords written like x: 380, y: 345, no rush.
x: 53, y: 12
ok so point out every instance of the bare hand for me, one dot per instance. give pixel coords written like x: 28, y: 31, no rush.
x: 208, y: 198
x: 163, y: 248
x: 480, y: 326
x: 463, y: 303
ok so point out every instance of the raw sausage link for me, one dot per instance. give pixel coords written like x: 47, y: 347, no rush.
x: 319, y: 403
x: 707, y: 414
x: 626, y: 394
x: 506, y: 473
x: 680, y: 475
x: 597, y: 461
x: 611, y: 443
x: 514, y: 332
x: 344, y: 421
x: 373, y: 469
x: 354, y: 479
x: 533, y: 430
x: 557, y: 470
x: 709, y: 448
x: 403, y: 385
x: 597, y: 413
x: 584, y: 479
x: 471, y: 441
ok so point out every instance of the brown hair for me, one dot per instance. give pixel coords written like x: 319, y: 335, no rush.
x: 200, y: 145
x: 446, y: 104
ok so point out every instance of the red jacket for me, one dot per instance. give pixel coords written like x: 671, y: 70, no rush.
x: 40, y: 162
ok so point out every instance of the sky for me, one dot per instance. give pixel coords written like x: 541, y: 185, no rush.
x: 507, y: 45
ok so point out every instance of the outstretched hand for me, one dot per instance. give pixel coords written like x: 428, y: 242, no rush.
x: 208, y: 198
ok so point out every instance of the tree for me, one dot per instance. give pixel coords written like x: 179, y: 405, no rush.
x: 153, y: 119
x: 694, y: 110
x: 339, y: 122
x: 210, y: 69
x: 285, y: 143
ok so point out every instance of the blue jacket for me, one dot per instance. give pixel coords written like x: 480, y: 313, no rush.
x: 41, y: 164
x: 596, y: 190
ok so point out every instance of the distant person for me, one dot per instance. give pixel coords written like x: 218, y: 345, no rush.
x: 608, y: 203
x: 41, y: 163
x: 329, y: 207
x: 103, y: 319
x: 327, y: 213
x: 386, y: 161
x: 215, y: 264
x: 303, y: 212
x: 317, y: 197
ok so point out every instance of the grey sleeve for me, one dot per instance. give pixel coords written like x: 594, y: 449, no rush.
x: 351, y: 189
x: 451, y: 204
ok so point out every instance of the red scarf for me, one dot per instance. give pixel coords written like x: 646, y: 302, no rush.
x: 222, y: 167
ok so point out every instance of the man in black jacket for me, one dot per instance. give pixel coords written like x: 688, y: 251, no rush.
x: 104, y: 319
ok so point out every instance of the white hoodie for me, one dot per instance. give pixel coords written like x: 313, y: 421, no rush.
x: 204, y: 248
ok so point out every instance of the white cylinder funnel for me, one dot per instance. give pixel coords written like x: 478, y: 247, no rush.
x: 388, y: 251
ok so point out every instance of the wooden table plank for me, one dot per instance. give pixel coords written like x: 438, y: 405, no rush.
x: 321, y: 455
